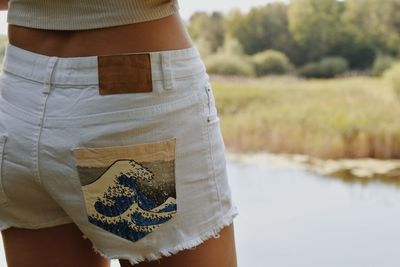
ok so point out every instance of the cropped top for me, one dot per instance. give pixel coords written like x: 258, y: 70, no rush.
x: 86, y: 14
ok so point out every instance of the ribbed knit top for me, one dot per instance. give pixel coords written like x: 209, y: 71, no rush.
x: 86, y: 14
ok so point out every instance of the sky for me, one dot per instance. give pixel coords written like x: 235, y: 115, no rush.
x: 188, y: 7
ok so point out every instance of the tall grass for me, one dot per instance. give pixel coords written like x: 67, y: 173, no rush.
x: 338, y: 118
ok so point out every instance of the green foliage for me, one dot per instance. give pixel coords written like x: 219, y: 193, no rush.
x: 328, y: 67
x: 271, y: 62
x: 315, y: 25
x: 376, y: 23
x: 230, y: 60
x: 381, y: 64
x: 203, y: 46
x: 308, y: 31
x: 207, y: 28
x: 3, y: 43
x: 229, y: 64
x: 232, y: 46
x: 393, y: 76
x: 359, y: 54
x: 263, y: 28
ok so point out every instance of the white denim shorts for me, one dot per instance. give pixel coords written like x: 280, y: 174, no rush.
x: 126, y: 146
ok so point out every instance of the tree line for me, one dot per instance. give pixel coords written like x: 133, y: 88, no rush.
x: 359, y: 35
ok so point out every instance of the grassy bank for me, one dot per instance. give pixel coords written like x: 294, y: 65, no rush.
x: 341, y: 118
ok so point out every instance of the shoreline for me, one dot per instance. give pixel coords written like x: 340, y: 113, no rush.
x: 362, y: 170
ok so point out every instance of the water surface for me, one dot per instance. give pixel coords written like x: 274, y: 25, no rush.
x: 290, y: 217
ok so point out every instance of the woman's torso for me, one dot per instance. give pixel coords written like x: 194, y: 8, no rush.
x: 168, y: 33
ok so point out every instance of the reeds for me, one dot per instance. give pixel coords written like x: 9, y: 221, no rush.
x: 352, y: 117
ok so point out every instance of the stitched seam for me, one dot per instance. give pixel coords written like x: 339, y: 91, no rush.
x: 5, y: 197
x: 213, y: 168
x: 207, y: 125
x: 83, y: 85
x: 139, y: 113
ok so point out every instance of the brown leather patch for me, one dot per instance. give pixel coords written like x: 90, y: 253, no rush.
x: 120, y: 74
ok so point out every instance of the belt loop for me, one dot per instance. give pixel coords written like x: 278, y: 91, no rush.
x: 49, y: 71
x: 167, y: 71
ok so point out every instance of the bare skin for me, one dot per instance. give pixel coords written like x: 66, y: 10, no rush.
x: 167, y: 33
x: 63, y: 245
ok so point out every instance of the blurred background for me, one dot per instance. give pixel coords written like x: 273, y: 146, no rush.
x: 308, y: 95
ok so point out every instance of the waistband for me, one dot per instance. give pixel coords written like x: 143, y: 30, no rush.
x: 166, y: 66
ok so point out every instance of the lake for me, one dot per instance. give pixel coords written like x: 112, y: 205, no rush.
x: 289, y: 217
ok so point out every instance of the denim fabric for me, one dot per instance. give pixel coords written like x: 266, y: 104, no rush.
x: 142, y: 174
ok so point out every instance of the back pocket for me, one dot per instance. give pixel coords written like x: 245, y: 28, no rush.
x: 128, y: 190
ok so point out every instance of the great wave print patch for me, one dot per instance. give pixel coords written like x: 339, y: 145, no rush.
x: 128, y: 190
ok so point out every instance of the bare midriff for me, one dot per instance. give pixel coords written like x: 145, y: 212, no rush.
x: 168, y: 33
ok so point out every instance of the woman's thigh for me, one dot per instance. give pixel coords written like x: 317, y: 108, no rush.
x: 215, y: 252
x: 64, y: 246
x: 59, y: 246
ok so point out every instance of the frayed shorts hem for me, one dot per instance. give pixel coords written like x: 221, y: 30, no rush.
x: 169, y: 251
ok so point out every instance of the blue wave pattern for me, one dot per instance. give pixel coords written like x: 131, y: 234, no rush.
x: 126, y: 210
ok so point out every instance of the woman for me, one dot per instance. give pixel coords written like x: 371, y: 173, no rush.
x: 110, y: 139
